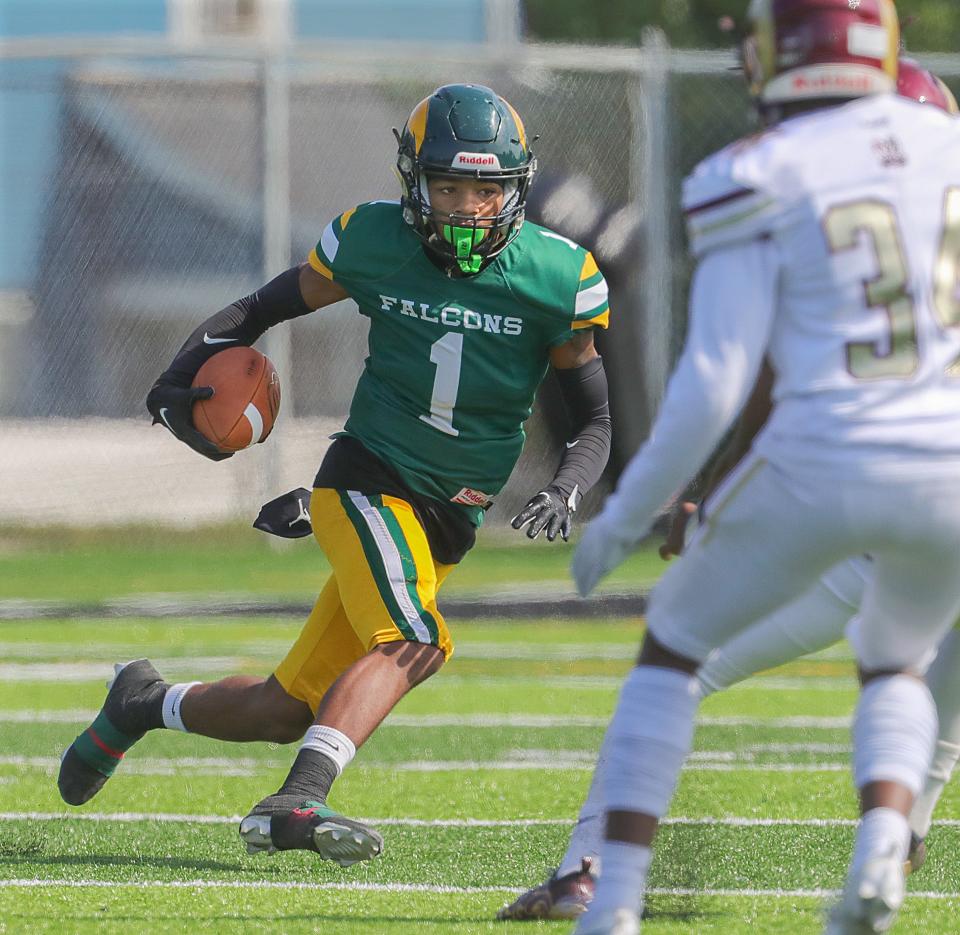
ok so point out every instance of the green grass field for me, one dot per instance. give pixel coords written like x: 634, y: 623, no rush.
x: 90, y: 566
x: 474, y: 780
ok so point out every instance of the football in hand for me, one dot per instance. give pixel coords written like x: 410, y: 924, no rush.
x: 245, y: 401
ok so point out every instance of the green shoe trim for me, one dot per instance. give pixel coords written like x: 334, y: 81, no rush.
x: 321, y: 808
x: 101, y: 746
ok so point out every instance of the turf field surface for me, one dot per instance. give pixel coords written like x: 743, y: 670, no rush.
x: 83, y: 567
x: 474, y: 782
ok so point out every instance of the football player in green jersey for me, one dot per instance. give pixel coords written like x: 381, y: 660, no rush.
x: 469, y: 305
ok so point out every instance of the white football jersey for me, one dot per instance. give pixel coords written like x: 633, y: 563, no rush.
x: 862, y: 202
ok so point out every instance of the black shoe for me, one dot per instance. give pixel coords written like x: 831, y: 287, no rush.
x: 124, y: 718
x: 287, y: 823
x: 565, y: 897
x: 916, y: 855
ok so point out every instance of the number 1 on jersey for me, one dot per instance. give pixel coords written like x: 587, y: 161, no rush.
x: 446, y: 354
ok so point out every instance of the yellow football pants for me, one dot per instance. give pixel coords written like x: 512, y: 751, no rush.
x: 383, y: 589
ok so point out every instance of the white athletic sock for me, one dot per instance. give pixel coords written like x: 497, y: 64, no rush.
x: 945, y: 756
x: 881, y: 831
x: 586, y: 839
x: 172, y: 700
x: 894, y: 732
x: 587, y: 835
x: 624, y: 877
x: 332, y: 743
x: 649, y: 738
x: 945, y: 688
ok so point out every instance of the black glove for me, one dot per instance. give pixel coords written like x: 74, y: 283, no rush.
x: 287, y: 516
x: 551, y: 510
x: 172, y: 406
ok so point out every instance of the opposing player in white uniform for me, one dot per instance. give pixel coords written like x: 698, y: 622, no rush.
x: 831, y: 245
x: 812, y: 622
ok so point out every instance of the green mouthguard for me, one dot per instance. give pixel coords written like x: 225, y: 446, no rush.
x: 464, y: 240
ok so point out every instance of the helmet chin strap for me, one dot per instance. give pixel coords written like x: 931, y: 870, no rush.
x: 464, y: 240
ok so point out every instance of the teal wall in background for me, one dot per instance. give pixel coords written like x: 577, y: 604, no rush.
x: 426, y: 20
x: 29, y: 101
x: 29, y: 91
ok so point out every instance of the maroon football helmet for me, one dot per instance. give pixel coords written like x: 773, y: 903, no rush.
x: 916, y: 82
x: 802, y: 50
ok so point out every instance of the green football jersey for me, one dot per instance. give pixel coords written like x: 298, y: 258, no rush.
x: 454, y: 363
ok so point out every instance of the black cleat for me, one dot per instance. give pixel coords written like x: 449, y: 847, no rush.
x: 916, y: 856
x: 124, y: 718
x: 287, y: 823
x: 565, y: 897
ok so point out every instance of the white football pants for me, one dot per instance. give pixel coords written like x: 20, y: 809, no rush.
x: 769, y: 535
x: 811, y: 622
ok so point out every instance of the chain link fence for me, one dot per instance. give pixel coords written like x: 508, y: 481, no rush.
x: 151, y: 188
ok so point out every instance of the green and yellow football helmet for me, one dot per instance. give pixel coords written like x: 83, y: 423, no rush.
x: 465, y: 130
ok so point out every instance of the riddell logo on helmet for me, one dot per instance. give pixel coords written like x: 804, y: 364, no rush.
x: 475, y: 161
x: 833, y: 81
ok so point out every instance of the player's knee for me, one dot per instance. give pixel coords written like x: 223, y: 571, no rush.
x: 429, y: 662
x: 418, y: 660
x: 866, y: 676
x: 284, y: 718
x: 285, y: 733
x: 654, y: 653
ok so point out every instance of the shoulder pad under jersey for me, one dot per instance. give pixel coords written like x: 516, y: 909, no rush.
x: 731, y: 197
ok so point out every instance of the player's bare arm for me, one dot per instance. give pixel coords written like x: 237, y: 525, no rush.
x: 317, y: 290
x: 578, y: 351
x: 583, y: 385
x: 752, y: 419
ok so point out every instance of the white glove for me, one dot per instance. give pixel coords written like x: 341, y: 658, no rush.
x: 602, y: 548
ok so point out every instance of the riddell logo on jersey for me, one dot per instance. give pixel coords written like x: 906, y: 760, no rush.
x: 475, y: 161
x: 471, y: 497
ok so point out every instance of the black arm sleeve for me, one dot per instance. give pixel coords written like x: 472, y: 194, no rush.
x: 238, y: 325
x: 584, y: 392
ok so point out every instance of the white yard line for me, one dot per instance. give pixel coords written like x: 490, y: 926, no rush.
x: 135, y: 817
x: 797, y: 721
x: 542, y: 760
x: 120, y: 650
x: 100, y: 653
x: 796, y: 748
x: 424, y: 888
x: 91, y: 671
x: 64, y: 716
x: 199, y: 665
x: 767, y: 767
x: 613, y: 682
x: 567, y: 652
x: 705, y: 821
x: 262, y: 885
x: 532, y: 721
x: 780, y: 894
x: 785, y: 683
x: 158, y: 766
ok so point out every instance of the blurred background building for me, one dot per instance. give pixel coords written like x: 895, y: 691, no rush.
x: 159, y: 158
